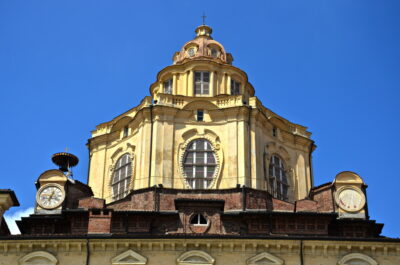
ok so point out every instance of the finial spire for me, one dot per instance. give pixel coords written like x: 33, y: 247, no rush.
x: 204, y: 18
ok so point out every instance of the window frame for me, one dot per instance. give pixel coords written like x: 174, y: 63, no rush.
x: 123, y: 183
x: 235, y: 87
x: 167, y: 86
x: 280, y: 181
x: 202, y: 86
x: 200, y: 115
x: 198, y: 223
x: 191, y: 163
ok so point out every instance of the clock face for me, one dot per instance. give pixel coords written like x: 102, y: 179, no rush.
x: 50, y: 196
x: 350, y: 199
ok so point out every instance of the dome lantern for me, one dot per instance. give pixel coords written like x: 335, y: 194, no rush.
x: 204, y: 30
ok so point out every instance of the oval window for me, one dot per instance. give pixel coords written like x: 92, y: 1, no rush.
x: 199, y: 164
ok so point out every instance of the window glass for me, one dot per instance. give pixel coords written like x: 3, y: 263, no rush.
x: 200, y: 115
x: 199, y: 164
x: 168, y: 86
x: 278, y: 182
x: 201, y: 83
x: 198, y: 219
x: 214, y: 52
x: 121, y: 177
x: 235, y: 87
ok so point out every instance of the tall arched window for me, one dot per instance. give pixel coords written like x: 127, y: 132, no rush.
x: 121, y: 177
x: 277, y: 178
x: 199, y: 164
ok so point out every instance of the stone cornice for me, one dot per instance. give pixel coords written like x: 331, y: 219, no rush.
x: 287, y: 246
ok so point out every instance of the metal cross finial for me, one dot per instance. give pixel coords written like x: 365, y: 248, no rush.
x: 66, y: 149
x: 204, y: 18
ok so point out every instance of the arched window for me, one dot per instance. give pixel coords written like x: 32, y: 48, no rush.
x: 277, y: 178
x: 121, y: 177
x: 199, y: 164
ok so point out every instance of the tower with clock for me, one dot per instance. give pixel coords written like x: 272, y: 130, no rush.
x: 55, y: 187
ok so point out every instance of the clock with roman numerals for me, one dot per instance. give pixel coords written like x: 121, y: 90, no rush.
x: 50, y: 196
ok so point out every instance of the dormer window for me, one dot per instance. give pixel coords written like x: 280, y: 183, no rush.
x: 201, y: 83
x: 200, y: 115
x: 168, y: 86
x: 126, y: 131
x: 235, y: 87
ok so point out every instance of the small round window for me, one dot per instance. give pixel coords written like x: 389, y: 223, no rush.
x: 191, y: 52
x: 199, y: 164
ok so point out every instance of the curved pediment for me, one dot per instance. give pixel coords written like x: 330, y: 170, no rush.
x: 195, y: 257
x: 357, y: 258
x: 348, y: 177
x: 38, y: 257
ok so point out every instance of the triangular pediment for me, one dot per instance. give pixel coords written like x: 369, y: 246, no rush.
x: 129, y: 257
x: 265, y: 258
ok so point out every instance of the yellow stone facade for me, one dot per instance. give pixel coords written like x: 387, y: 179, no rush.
x: 244, y: 134
x: 196, y: 252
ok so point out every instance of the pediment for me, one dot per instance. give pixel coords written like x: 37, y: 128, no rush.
x: 357, y: 259
x: 129, y: 257
x: 195, y: 257
x: 265, y: 259
x: 38, y: 257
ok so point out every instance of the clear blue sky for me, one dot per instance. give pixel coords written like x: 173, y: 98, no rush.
x: 334, y: 66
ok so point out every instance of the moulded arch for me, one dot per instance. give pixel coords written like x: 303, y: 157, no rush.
x: 348, y: 177
x: 121, y: 122
x: 53, y: 174
x: 264, y: 258
x: 129, y: 257
x: 200, y: 104
x: 356, y: 257
x: 279, y: 122
x: 38, y: 257
x: 195, y: 257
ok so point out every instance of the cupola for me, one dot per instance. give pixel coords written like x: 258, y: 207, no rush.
x: 203, y: 47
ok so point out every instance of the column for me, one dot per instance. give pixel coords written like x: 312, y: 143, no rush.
x: 223, y: 84
x: 212, y: 84
x: 228, y: 85
x: 174, y: 85
x: 190, y: 84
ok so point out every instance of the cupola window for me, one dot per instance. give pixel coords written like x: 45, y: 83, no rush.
x: 121, y: 177
x: 235, y: 87
x: 191, y: 52
x: 199, y: 164
x: 277, y: 179
x: 126, y: 131
x: 214, y: 52
x: 201, y: 83
x: 200, y: 115
x: 168, y: 86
